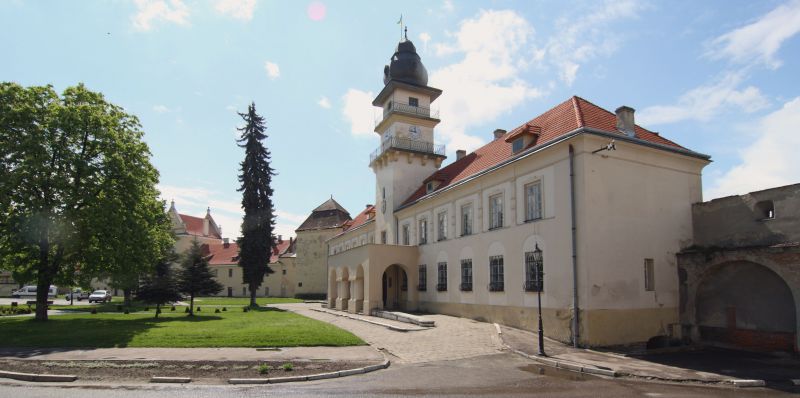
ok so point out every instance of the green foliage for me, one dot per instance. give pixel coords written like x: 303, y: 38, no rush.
x: 77, y: 190
x: 287, y: 367
x: 228, y: 329
x: 160, y: 286
x: 264, y: 369
x: 9, y: 310
x: 257, y: 241
x: 196, y: 278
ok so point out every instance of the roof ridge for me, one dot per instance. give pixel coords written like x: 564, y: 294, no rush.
x: 578, y: 111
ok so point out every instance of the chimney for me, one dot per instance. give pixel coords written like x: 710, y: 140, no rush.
x: 280, y: 238
x: 498, y: 133
x: 206, y: 223
x: 291, y: 241
x: 460, y: 154
x: 625, y: 120
x: 226, y: 243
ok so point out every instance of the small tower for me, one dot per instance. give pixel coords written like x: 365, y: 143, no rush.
x: 407, y: 153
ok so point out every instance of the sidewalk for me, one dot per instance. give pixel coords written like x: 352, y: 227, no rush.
x: 705, y: 366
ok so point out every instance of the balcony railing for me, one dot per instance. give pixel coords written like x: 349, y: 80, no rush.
x: 408, y: 110
x: 409, y: 145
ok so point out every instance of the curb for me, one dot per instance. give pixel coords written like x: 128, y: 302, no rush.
x: 579, y: 368
x: 320, y: 376
x: 741, y: 383
x: 37, y: 377
x: 386, y: 325
x: 157, y: 379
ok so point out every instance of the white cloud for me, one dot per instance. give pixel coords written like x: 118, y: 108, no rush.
x: 161, y: 109
x: 359, y: 112
x: 149, y: 11
x: 238, y: 9
x: 581, y: 39
x: 704, y: 102
x: 448, y: 5
x: 770, y: 161
x: 759, y: 41
x: 424, y: 37
x: 324, y: 102
x: 227, y: 213
x: 486, y: 82
x: 273, y: 71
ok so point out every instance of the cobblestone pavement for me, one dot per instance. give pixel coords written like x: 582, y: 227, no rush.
x: 452, y: 338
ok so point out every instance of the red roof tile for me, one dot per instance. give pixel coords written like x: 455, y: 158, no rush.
x: 219, y: 254
x: 194, y: 226
x: 565, y: 117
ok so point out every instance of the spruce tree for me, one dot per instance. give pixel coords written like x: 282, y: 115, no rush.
x: 160, y: 286
x: 196, y: 278
x: 257, y: 242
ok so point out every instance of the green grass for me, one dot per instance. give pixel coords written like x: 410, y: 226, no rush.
x: 260, y: 328
x: 242, y: 300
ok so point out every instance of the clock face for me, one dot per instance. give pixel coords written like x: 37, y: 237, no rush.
x: 413, y: 131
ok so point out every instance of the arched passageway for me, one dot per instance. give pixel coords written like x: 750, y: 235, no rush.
x: 747, y: 305
x: 394, y: 285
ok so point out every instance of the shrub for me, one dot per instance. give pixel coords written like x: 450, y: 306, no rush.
x: 216, y: 311
x: 126, y: 311
x: 173, y: 308
x: 119, y: 307
x: 224, y: 309
x: 311, y: 296
x: 198, y: 309
x: 287, y: 367
x: 245, y: 309
x: 264, y: 369
x: 187, y: 310
x: 147, y: 308
x: 94, y: 310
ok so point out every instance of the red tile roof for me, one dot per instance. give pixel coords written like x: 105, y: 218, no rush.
x: 194, y: 226
x: 565, y: 117
x: 219, y: 254
x: 366, y: 215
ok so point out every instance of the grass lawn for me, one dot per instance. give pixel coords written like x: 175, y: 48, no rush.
x: 242, y: 300
x: 233, y: 328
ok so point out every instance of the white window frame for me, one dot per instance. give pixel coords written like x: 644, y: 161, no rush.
x: 496, y: 210
x: 533, y: 200
x: 441, y: 226
x: 467, y: 219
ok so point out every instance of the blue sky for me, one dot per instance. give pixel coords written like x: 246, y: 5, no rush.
x: 718, y: 77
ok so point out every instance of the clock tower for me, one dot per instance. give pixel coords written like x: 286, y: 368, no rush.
x: 407, y: 153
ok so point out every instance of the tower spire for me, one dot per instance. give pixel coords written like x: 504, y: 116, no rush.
x: 406, y: 32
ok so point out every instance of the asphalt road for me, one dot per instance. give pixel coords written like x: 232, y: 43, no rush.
x: 502, y: 375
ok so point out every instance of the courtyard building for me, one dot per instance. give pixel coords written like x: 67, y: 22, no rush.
x: 607, y: 202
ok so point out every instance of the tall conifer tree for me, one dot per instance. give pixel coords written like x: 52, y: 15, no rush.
x: 257, y: 242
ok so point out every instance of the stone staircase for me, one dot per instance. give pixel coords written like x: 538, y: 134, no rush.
x: 404, y: 317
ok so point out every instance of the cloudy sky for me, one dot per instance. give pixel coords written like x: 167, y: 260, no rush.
x: 718, y: 77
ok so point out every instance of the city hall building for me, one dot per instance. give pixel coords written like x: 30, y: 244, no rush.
x: 604, y: 203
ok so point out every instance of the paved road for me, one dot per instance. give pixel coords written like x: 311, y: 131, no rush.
x: 22, y: 300
x: 500, y: 375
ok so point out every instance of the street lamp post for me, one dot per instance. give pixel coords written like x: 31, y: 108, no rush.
x: 538, y: 263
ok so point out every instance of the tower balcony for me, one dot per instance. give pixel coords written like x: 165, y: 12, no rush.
x: 407, y: 144
x: 406, y: 109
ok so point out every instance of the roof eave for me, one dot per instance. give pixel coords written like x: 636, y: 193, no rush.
x: 392, y: 84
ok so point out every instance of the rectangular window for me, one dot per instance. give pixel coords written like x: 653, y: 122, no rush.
x: 406, y: 235
x: 533, y: 201
x: 516, y: 145
x: 649, y: 276
x: 534, y: 281
x: 284, y: 271
x: 466, y: 275
x: 466, y: 220
x: 230, y: 272
x: 413, y: 101
x: 423, y: 231
x: 496, y: 211
x: 441, y: 226
x: 423, y: 278
x: 383, y: 237
x: 442, y: 279
x: 496, y: 279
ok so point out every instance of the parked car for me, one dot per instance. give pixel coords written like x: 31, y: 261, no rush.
x: 77, y: 294
x: 30, y: 291
x: 100, y: 295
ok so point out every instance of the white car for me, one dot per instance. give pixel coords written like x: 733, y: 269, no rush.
x: 100, y: 295
x: 30, y: 291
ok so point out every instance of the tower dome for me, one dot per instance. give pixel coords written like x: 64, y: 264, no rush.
x: 406, y: 66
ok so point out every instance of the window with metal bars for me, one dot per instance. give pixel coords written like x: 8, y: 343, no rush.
x: 466, y: 275
x: 534, y: 273
x: 442, y: 277
x: 423, y: 278
x: 496, y: 278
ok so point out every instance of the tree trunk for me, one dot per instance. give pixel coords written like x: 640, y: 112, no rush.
x: 253, y: 303
x: 127, y: 300
x: 42, y: 288
x: 191, y: 304
x: 158, y: 309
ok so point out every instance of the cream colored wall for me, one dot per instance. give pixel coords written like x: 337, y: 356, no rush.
x: 231, y: 276
x: 311, y: 260
x: 184, y: 242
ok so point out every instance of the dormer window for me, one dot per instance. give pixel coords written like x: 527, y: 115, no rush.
x: 517, y: 145
x: 413, y: 101
x: 429, y: 187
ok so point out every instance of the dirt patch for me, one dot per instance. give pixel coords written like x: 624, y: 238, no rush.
x: 212, y: 371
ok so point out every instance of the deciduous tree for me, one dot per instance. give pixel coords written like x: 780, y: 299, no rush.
x: 77, y: 190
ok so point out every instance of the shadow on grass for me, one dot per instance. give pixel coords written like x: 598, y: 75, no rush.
x: 84, y: 331
x: 266, y: 309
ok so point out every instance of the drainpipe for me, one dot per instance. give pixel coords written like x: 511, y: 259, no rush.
x: 576, y: 315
